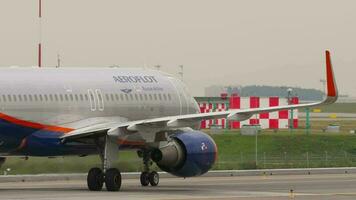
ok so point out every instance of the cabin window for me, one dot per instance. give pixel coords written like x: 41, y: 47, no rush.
x: 81, y: 97
x: 112, y: 97
x: 145, y: 95
x: 4, y: 98
x: 45, y: 97
x: 107, y: 97
x: 25, y: 97
x: 169, y: 97
x: 40, y: 97
x: 131, y: 97
x: 56, y: 97
x: 30, y: 97
x: 117, y: 97
x: 19, y: 97
x: 51, y: 97
x: 165, y: 97
x: 61, y: 97
x: 136, y: 97
x: 150, y: 95
x: 14, y: 97
x: 9, y: 97
x: 86, y: 97
x: 36, y: 98
x: 76, y: 97
x: 126, y: 97
x: 121, y: 97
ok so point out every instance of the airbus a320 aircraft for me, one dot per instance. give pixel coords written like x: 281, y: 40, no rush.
x: 82, y: 111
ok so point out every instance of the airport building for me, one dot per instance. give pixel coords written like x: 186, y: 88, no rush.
x: 273, y: 120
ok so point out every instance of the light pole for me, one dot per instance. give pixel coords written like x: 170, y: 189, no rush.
x: 256, y: 148
x: 256, y: 141
x: 181, y: 72
x: 158, y: 67
x: 323, y: 81
x: 289, y: 99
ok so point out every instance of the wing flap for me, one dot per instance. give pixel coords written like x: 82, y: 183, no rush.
x: 96, y: 129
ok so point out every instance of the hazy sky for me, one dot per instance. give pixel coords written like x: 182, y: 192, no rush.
x: 218, y: 42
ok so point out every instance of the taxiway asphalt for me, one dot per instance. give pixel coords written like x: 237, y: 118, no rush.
x: 318, y: 186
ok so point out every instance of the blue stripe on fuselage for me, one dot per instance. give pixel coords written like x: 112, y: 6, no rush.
x: 21, y: 140
x: 11, y: 135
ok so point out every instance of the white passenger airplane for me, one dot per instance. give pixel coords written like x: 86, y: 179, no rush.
x: 82, y: 111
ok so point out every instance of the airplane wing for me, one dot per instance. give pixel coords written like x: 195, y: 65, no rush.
x: 181, y: 121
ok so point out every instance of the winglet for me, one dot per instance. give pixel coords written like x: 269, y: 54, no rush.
x: 332, y: 93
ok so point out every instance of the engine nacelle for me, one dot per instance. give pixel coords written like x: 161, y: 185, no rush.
x: 189, y: 154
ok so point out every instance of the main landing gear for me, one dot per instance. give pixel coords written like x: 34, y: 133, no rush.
x: 147, y: 177
x: 96, y: 179
x: 110, y: 176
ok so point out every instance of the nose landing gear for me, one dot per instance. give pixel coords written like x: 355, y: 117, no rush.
x: 151, y: 178
x: 148, y: 178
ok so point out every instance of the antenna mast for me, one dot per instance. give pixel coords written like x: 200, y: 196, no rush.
x: 181, y: 73
x: 40, y: 33
x: 58, y: 61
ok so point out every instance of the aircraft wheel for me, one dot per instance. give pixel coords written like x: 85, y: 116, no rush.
x: 153, y: 178
x: 144, y: 178
x: 95, y: 179
x: 112, y: 179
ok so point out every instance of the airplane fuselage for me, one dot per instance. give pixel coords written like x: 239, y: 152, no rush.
x: 37, y: 106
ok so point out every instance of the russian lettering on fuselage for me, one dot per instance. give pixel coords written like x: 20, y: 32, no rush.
x: 135, y: 79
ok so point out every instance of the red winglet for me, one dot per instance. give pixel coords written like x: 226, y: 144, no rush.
x: 331, y: 85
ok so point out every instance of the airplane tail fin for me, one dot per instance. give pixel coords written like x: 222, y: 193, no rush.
x: 331, y: 87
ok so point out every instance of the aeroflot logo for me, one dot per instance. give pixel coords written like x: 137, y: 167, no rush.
x: 126, y: 90
x: 203, y: 146
x: 135, y: 79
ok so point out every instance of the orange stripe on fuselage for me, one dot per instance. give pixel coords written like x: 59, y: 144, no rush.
x: 127, y: 142
x: 34, y: 125
x: 55, y: 129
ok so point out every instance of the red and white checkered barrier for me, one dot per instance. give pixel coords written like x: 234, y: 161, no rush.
x: 211, y: 107
x: 273, y: 120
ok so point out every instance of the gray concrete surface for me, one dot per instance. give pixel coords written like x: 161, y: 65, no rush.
x: 318, y: 186
x: 218, y: 173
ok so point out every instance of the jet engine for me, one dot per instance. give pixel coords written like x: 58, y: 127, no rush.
x: 189, y: 153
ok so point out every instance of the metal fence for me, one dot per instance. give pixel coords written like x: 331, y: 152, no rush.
x: 266, y: 160
x: 237, y: 161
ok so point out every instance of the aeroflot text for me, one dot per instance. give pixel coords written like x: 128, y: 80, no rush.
x: 135, y: 79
